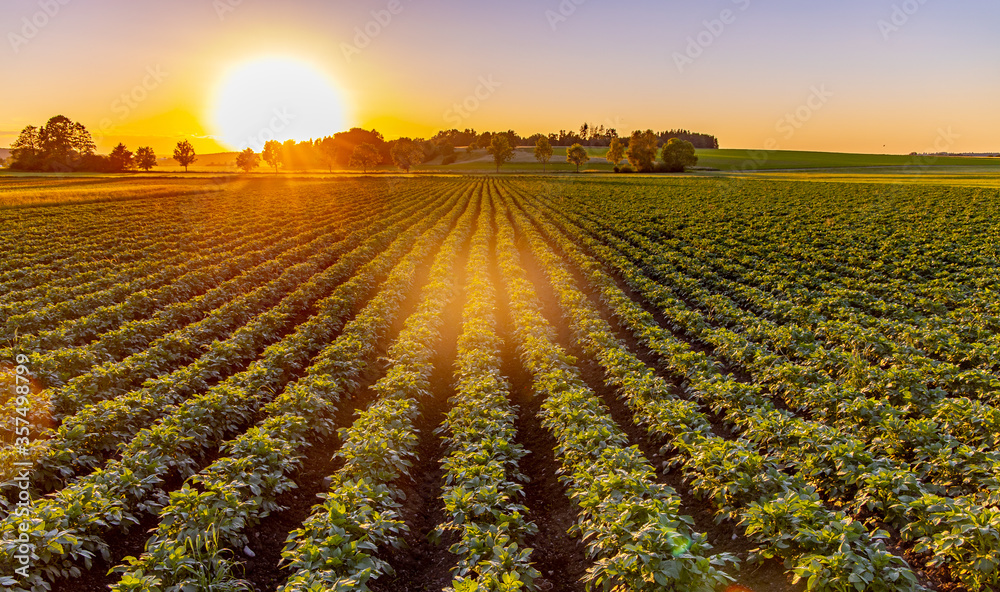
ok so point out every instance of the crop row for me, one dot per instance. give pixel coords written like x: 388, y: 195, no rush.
x: 886, y: 410
x: 97, y: 430
x: 630, y: 524
x: 959, y: 531
x: 337, y: 546
x: 210, y: 513
x: 65, y: 529
x: 89, y: 382
x: 483, y: 488
x: 109, y: 413
x: 779, y: 512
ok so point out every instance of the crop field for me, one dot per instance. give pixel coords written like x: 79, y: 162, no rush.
x: 504, y: 383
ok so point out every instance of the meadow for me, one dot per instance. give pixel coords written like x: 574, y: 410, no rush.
x: 720, y: 161
x: 704, y: 382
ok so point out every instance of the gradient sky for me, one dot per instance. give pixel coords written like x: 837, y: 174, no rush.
x: 923, y: 81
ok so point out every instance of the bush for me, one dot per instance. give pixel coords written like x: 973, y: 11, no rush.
x: 625, y: 168
x: 676, y: 155
x: 451, y: 158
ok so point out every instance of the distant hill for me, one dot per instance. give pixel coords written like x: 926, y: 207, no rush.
x: 5, y: 153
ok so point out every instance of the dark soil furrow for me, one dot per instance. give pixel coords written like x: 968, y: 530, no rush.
x: 560, y: 558
x: 421, y: 563
x: 723, y: 537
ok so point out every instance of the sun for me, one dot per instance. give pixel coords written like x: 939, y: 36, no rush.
x: 275, y: 98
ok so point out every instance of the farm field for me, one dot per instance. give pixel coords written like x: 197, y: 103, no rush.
x: 725, y: 160
x: 559, y: 383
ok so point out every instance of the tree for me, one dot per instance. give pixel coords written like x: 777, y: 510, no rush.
x: 297, y: 156
x: 642, y: 150
x: 483, y: 141
x: 501, y: 150
x: 64, y: 142
x: 696, y: 139
x: 26, y: 151
x: 121, y: 159
x: 290, y: 155
x: 59, y: 145
x: 328, y: 150
x: 365, y: 156
x: 577, y: 155
x: 145, y: 158
x: 272, y: 154
x: 349, y: 140
x: 543, y: 151
x: 406, y: 153
x: 678, y: 154
x: 184, y: 154
x: 247, y: 160
x: 616, y: 151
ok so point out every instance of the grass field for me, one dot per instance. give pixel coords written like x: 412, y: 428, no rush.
x: 724, y: 160
x: 648, y: 382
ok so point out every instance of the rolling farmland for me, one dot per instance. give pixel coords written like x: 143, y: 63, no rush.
x: 504, y: 383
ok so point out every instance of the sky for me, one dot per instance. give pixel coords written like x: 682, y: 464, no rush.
x: 871, y: 76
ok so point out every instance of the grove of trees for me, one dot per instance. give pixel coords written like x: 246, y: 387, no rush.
x: 365, y: 156
x: 65, y: 145
x: 60, y: 145
x: 406, y: 153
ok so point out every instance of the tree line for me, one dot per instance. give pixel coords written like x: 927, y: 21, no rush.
x: 641, y: 151
x: 64, y: 145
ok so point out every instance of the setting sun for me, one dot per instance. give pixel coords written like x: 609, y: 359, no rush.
x: 275, y: 98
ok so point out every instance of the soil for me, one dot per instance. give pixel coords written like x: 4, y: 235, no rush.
x: 560, y: 558
x: 764, y: 576
x: 267, y: 539
x: 265, y: 570
x: 724, y: 538
x: 121, y: 545
x: 421, y: 563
